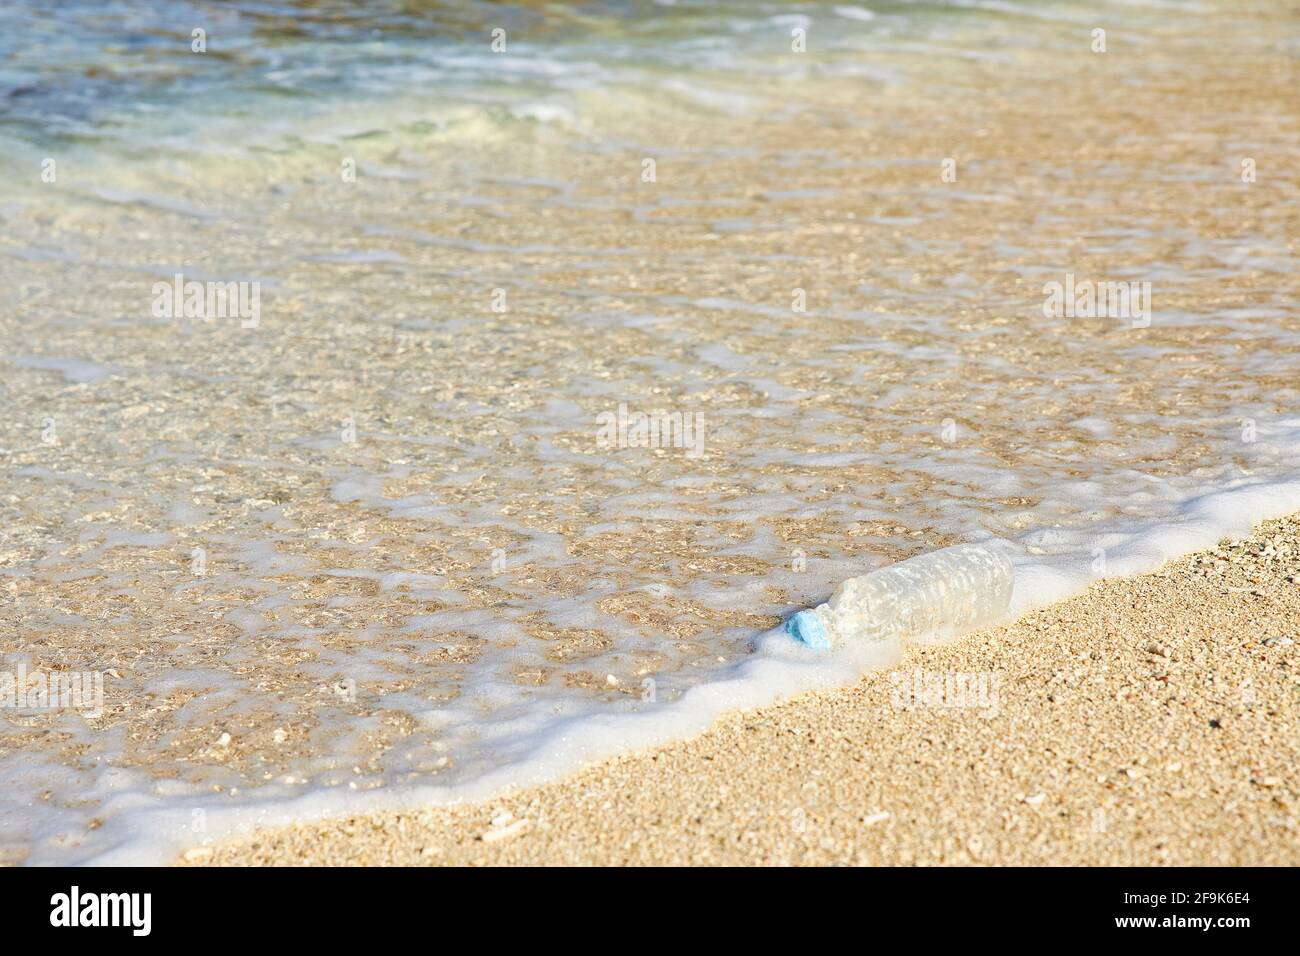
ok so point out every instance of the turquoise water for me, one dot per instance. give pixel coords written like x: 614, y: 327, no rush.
x: 99, y: 73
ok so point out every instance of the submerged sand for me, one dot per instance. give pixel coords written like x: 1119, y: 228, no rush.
x: 1149, y: 720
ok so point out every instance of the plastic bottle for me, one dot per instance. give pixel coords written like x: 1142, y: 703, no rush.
x: 939, y: 594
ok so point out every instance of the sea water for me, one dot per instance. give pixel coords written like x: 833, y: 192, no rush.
x: 582, y: 362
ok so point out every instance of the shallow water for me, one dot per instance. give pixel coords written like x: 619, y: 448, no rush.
x: 389, y: 542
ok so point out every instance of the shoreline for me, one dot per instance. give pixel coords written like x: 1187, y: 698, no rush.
x: 353, y: 556
x: 1147, y: 720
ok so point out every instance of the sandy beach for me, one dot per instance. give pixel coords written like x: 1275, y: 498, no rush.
x: 421, y: 416
x: 1150, y: 720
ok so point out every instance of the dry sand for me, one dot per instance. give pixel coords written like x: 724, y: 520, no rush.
x: 1150, y: 720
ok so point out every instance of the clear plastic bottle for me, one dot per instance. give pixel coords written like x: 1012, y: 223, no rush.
x: 940, y: 594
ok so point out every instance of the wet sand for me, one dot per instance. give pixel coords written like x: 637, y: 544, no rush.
x: 1150, y: 720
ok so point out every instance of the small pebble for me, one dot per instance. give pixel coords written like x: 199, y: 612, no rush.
x: 505, y: 833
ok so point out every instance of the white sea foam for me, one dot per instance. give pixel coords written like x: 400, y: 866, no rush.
x: 81, y: 371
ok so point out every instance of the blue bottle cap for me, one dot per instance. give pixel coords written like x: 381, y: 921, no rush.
x: 806, y: 627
